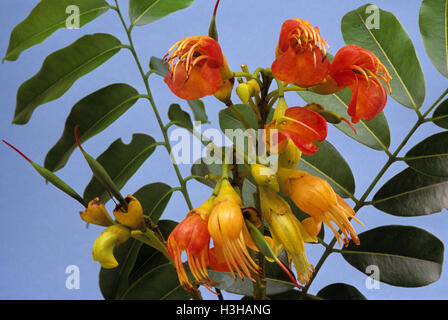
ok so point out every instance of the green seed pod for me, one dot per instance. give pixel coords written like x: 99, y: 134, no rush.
x: 51, y: 177
x: 101, y: 174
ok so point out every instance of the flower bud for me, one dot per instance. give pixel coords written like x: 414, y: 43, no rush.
x: 133, y: 217
x: 264, y: 176
x: 103, y: 248
x: 290, y: 156
x: 97, y: 214
x: 244, y: 92
x: 224, y: 94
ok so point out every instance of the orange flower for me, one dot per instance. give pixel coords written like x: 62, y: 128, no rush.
x: 300, y: 54
x: 301, y: 125
x: 229, y: 232
x: 317, y: 198
x: 360, y: 70
x: 197, y: 67
x: 191, y: 235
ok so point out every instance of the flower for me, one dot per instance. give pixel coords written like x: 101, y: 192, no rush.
x: 191, y: 235
x: 103, y: 247
x: 299, y: 124
x: 229, y: 232
x: 287, y: 232
x: 133, y: 218
x: 360, y: 70
x: 96, y: 213
x: 300, y: 54
x: 317, y: 198
x: 197, y: 68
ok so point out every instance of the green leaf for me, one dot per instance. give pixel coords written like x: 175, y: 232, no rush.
x: 440, y: 115
x: 198, y: 108
x: 392, y: 45
x: 154, y: 198
x: 433, y: 20
x: 113, y: 282
x: 290, y: 295
x: 276, y: 281
x: 93, y: 114
x: 328, y: 164
x: 157, y: 66
x: 61, y: 69
x: 374, y: 134
x: 406, y: 256
x: 411, y: 193
x: 47, y: 17
x: 340, y: 291
x: 430, y: 156
x: 121, y: 161
x: 142, y: 12
x: 228, y: 119
x: 182, y: 118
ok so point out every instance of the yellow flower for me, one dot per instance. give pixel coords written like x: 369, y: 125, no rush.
x: 229, y: 232
x: 103, y: 247
x: 287, y: 232
x: 317, y: 198
x: 96, y: 213
x: 133, y: 218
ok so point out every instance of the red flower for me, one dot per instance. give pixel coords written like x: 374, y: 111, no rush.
x: 191, y: 235
x: 301, y: 54
x: 302, y: 126
x: 360, y: 70
x: 196, y: 67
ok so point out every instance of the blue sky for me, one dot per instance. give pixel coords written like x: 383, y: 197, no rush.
x: 41, y: 233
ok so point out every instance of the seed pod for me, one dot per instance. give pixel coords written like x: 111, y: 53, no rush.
x: 51, y: 177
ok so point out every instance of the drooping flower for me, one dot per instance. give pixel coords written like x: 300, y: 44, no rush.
x: 317, y: 198
x: 229, y: 232
x: 360, y: 70
x: 192, y: 237
x: 299, y: 124
x: 96, y: 213
x: 287, y: 232
x: 103, y: 247
x: 197, y: 68
x: 300, y: 54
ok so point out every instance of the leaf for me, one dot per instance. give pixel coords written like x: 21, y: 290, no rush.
x: 47, y: 17
x: 142, y: 12
x: 121, y: 161
x: 430, y: 156
x: 433, y: 19
x: 198, y: 108
x: 276, y: 281
x: 374, y: 134
x: 411, y: 193
x: 394, y: 48
x: 441, y: 115
x: 93, y: 114
x: 228, y: 119
x: 154, y: 198
x: 182, y: 118
x: 61, y: 69
x: 158, y: 67
x: 328, y: 164
x: 113, y: 282
x: 406, y: 256
x: 340, y: 291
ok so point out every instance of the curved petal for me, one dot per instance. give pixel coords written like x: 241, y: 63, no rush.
x: 368, y: 99
x: 313, y: 125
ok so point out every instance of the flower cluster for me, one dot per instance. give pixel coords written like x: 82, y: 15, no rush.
x: 198, y: 68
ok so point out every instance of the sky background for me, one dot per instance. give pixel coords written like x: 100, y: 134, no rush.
x: 41, y: 232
